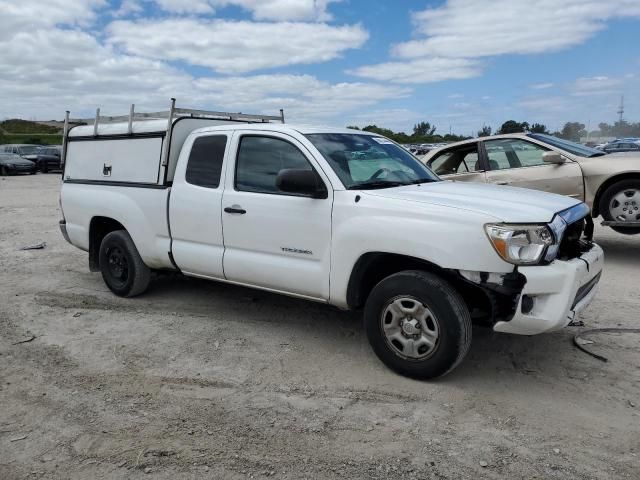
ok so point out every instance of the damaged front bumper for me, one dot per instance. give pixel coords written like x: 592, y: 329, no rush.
x: 544, y: 297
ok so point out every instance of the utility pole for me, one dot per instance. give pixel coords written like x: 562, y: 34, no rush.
x: 621, y: 108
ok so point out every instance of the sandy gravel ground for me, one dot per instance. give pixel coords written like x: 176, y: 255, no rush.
x: 203, y: 380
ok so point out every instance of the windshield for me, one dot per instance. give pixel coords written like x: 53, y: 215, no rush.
x: 571, y: 147
x: 367, y: 162
x: 28, y: 150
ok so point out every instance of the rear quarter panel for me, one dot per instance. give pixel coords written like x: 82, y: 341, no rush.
x: 142, y: 211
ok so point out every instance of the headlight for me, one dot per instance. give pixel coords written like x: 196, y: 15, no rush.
x: 9, y: 165
x: 519, y: 244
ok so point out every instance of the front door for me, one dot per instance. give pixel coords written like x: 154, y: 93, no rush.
x: 274, y: 239
x: 519, y: 163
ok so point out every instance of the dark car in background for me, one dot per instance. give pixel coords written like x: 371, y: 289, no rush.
x: 623, y: 145
x: 49, y: 158
x: 30, y: 152
x: 11, y: 163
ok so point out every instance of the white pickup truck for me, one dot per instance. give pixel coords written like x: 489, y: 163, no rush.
x: 339, y: 216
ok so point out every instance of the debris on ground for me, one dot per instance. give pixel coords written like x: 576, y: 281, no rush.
x: 38, y: 246
x: 30, y: 339
x: 579, y: 341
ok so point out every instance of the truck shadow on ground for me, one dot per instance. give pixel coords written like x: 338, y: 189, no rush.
x: 315, y: 326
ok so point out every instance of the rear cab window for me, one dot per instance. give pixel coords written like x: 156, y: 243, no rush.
x: 205, y: 161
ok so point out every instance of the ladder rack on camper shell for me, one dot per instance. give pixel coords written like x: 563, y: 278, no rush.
x: 172, y: 114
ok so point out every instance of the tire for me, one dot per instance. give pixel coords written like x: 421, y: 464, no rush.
x: 122, y: 268
x: 440, y: 312
x: 611, y: 204
x: 3, y: 171
x: 45, y: 167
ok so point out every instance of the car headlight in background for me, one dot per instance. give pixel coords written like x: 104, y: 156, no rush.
x: 520, y: 244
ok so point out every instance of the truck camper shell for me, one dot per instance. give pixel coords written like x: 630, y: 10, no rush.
x: 139, y: 149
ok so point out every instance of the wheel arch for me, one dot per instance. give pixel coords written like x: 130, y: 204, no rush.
x: 373, y: 267
x: 595, y: 210
x: 99, y: 227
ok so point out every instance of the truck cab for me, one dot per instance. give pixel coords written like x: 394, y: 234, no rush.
x: 332, y: 215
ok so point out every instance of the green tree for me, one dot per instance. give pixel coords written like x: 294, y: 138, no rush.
x: 573, y: 131
x: 538, y: 128
x: 423, y: 129
x: 511, y: 126
x: 485, y: 132
x: 353, y: 127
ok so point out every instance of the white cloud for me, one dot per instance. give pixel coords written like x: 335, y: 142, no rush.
x: 276, y: 10
x: 600, y: 85
x: 29, y: 15
x: 128, y: 7
x: 185, y: 6
x: 455, y: 95
x: 46, y: 72
x: 420, y: 71
x: 235, y: 47
x: 284, y: 10
x: 466, y: 28
x: 302, y: 96
x: 541, y: 86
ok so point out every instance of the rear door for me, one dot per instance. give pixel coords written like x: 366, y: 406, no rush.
x: 518, y: 162
x: 195, y: 206
x: 276, y: 240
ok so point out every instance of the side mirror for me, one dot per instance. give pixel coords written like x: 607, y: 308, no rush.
x: 302, y: 182
x: 552, y: 157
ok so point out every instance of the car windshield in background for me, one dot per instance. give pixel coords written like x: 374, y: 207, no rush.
x: 368, y: 162
x: 29, y: 150
x: 571, y: 147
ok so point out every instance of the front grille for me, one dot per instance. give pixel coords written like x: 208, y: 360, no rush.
x: 573, y: 244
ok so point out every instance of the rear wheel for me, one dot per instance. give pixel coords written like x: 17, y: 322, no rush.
x: 621, y: 203
x: 122, y: 268
x: 417, y: 324
x: 45, y: 167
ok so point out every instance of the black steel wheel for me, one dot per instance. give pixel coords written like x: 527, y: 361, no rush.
x: 122, y: 268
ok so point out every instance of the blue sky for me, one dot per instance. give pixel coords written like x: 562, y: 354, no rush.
x: 457, y: 63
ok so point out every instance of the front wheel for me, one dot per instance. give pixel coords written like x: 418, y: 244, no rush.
x: 417, y: 324
x: 621, y: 203
x: 122, y: 268
x: 3, y: 171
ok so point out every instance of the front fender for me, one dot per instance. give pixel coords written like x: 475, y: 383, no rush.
x: 447, y: 237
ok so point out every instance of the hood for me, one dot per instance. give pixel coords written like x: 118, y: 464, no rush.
x: 15, y: 161
x: 506, y: 204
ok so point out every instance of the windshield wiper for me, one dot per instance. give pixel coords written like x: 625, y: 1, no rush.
x: 421, y: 180
x: 375, y: 184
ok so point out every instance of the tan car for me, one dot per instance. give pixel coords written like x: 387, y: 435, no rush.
x: 609, y: 184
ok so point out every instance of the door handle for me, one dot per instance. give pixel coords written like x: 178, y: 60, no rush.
x: 235, y: 209
x: 502, y: 183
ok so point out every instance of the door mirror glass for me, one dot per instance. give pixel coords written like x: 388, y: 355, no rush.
x: 301, y: 182
x: 552, y: 157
